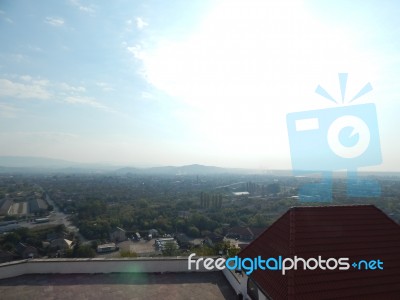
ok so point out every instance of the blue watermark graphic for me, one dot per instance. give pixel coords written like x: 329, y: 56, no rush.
x: 326, y: 140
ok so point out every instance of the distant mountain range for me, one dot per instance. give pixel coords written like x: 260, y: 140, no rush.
x: 31, y: 165
x: 183, y: 170
x: 34, y: 162
x: 26, y: 164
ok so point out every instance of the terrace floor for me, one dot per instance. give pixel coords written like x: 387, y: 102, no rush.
x: 205, y: 285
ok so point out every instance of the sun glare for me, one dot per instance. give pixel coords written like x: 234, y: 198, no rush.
x: 246, y: 66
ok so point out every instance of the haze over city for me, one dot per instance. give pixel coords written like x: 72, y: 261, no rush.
x: 153, y: 83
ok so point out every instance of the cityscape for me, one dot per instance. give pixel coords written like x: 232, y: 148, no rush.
x: 202, y: 149
x: 166, y: 212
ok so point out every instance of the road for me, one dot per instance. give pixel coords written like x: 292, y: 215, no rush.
x: 56, y: 217
x: 229, y: 185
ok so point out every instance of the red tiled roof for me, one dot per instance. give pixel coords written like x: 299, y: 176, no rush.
x: 256, y: 231
x: 358, y: 232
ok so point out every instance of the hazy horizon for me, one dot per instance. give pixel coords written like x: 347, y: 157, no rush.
x: 188, y: 82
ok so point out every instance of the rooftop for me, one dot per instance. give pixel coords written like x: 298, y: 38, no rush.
x: 357, y: 232
x: 209, y: 285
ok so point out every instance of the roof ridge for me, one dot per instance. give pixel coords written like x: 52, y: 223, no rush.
x: 386, y: 216
x: 330, y: 206
x: 291, y: 235
x: 273, y: 225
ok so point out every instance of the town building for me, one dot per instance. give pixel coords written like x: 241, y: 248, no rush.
x: 359, y: 233
x: 61, y: 244
x: 26, y: 251
x: 118, y: 235
x: 245, y: 233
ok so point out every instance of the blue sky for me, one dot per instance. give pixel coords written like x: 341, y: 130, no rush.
x: 180, y: 82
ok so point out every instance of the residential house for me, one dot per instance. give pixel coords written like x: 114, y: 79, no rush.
x: 153, y: 232
x: 184, y: 214
x: 213, y: 238
x: 245, y: 233
x: 54, y: 235
x: 118, y: 235
x: 26, y: 251
x: 183, y: 240
x: 61, y: 244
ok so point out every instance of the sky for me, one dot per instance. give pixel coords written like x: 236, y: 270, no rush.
x: 152, y: 82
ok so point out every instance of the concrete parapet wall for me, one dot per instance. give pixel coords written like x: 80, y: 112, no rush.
x: 96, y: 265
x: 238, y: 282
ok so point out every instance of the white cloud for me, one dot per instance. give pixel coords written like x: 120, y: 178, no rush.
x: 87, y: 101
x: 106, y: 87
x: 53, y: 21
x: 28, y: 87
x: 8, y: 111
x: 253, y: 50
x: 140, y: 23
x: 26, y: 77
x: 128, y: 26
x: 35, y: 81
x: 77, y: 4
x: 245, y: 67
x: 35, y: 89
x: 137, y: 51
x: 72, y: 89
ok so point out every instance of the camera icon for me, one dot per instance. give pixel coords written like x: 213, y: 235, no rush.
x: 326, y: 140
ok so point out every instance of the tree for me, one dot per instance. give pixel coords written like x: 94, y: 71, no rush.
x: 204, y: 251
x: 85, y: 251
x: 193, y: 231
x: 12, y: 238
x: 259, y: 220
x: 273, y: 188
x: 8, y: 246
x: 170, y: 249
x: 219, y: 204
x: 181, y: 225
x: 76, y: 247
x: 60, y: 228
x: 143, y: 203
x: 232, y: 251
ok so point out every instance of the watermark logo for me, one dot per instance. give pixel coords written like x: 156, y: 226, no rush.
x: 249, y: 265
x: 327, y: 140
